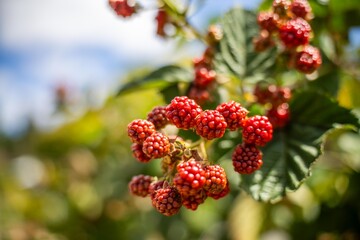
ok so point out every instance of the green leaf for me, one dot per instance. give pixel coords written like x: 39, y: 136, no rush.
x: 235, y: 54
x: 287, y: 159
x: 160, y: 78
x: 327, y: 83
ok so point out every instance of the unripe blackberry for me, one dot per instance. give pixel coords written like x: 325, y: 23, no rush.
x: 272, y: 94
x: 280, y: 7
x: 193, y: 201
x: 263, y: 41
x: 139, y: 185
x: 221, y: 194
x: 167, y: 201
x: 301, y: 8
x: 139, y: 130
x: 156, y: 185
x: 158, y: 117
x: 210, y: 124
x: 257, y: 130
x: 268, y: 21
x: 216, y: 179
x: 233, y: 113
x: 295, y: 32
x: 279, y: 116
x: 204, y: 77
x: 157, y: 145
x: 182, y: 112
x: 308, y: 60
x: 122, y: 8
x: 246, y: 158
x: 138, y: 153
x: 190, y: 177
x: 199, y: 95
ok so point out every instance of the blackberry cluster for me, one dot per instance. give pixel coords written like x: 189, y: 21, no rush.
x: 276, y: 99
x: 288, y: 21
x: 189, y: 178
x: 205, y: 75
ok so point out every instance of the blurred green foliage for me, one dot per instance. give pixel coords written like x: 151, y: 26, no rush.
x: 71, y: 183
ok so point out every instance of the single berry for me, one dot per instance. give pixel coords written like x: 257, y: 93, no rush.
x: 139, y: 130
x: 158, y: 117
x: 193, y: 201
x: 216, y: 179
x: 279, y: 116
x: 221, y: 194
x: 210, y: 124
x: 233, y: 113
x: 268, y: 21
x: 138, y: 153
x: 257, y: 130
x: 182, y: 112
x: 246, y: 158
x: 295, y: 32
x: 162, y: 19
x: 301, y: 8
x: 139, y: 185
x: 272, y: 94
x: 199, y: 95
x: 263, y: 41
x: 308, y: 60
x: 157, y: 145
x: 122, y: 8
x: 156, y: 185
x: 204, y: 77
x: 167, y: 201
x: 280, y: 7
x: 190, y: 177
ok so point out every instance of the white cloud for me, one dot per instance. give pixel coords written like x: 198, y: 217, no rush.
x: 76, y: 22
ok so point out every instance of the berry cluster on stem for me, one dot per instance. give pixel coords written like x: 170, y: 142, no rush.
x: 288, y: 21
x: 189, y: 177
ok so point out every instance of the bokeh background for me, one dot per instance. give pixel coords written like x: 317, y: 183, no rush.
x: 65, y: 159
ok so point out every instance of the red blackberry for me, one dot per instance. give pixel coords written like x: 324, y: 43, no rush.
x: 268, y: 21
x: 233, y: 113
x: 301, y: 8
x: 122, y: 8
x: 272, y: 94
x: 263, y: 41
x: 167, y: 201
x: 308, y: 60
x: 221, y: 194
x: 281, y: 7
x: 246, y: 158
x: 295, y: 32
x: 138, y: 153
x: 199, y: 95
x: 193, y: 201
x: 204, y: 77
x: 139, y: 130
x: 210, y: 124
x: 257, y: 130
x: 158, y: 117
x: 279, y: 116
x: 157, y: 145
x: 156, y: 186
x: 162, y: 18
x: 215, y: 179
x: 190, y: 177
x: 139, y: 185
x: 182, y: 112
